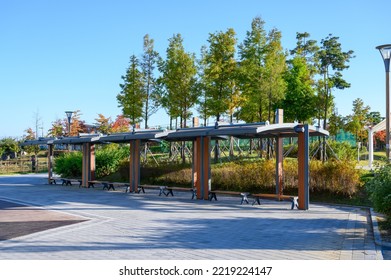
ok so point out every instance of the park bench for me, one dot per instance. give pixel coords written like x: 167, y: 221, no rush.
x: 68, y: 182
x: 290, y: 198
x: 244, y: 195
x: 106, y: 184
x: 170, y: 190
x: 141, y: 188
x: 166, y: 190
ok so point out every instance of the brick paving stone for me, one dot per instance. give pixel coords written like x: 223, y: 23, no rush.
x: 146, y: 227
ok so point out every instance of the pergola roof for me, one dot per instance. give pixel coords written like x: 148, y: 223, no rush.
x: 39, y: 141
x: 254, y: 130
x: 258, y: 130
x: 82, y: 138
x: 135, y: 135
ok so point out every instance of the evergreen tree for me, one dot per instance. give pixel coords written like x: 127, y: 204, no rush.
x: 132, y: 93
x: 274, y: 70
x: 332, y: 60
x: 251, y: 71
x: 299, y: 102
x: 219, y: 71
x: 148, y: 64
x: 179, y: 80
x: 219, y: 77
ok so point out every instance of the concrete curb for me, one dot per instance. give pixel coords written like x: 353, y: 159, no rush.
x: 376, y: 231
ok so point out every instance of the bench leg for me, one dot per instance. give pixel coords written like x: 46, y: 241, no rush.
x: 194, y: 193
x: 162, y: 191
x: 105, y: 186
x: 212, y: 196
x: 244, y: 198
x: 295, y: 203
x: 257, y: 201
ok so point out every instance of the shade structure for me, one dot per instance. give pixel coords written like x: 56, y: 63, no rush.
x: 201, y: 142
x: 201, y: 137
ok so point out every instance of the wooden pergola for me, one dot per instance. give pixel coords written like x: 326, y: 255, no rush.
x: 201, y: 138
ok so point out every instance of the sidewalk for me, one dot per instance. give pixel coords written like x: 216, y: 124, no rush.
x: 120, y: 225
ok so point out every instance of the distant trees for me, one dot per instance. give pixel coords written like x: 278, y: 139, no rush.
x: 139, y: 97
x: 230, y: 81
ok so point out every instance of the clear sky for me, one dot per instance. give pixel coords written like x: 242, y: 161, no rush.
x: 70, y: 54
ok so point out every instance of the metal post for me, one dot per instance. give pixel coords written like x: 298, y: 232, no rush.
x: 388, y: 114
x: 385, y: 51
x: 370, y: 148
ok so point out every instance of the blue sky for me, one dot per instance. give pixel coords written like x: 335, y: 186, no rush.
x: 70, y: 55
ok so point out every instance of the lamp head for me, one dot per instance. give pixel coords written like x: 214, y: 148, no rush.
x: 385, y: 51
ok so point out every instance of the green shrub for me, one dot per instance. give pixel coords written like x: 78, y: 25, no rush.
x: 379, y: 189
x: 69, y: 165
x: 107, y: 161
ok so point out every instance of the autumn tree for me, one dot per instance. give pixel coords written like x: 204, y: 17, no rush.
x: 77, y: 125
x: 103, y: 124
x: 58, y: 128
x: 121, y: 124
x: 31, y: 135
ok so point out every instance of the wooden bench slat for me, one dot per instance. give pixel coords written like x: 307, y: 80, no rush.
x: 244, y: 195
x: 292, y: 199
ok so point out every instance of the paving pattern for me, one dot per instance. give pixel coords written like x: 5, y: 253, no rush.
x: 117, y: 225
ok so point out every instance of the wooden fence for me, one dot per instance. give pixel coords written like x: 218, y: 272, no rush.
x: 23, y: 165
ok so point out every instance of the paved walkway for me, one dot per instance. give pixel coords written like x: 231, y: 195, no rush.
x: 147, y: 227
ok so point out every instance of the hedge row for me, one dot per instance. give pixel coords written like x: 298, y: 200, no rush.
x: 340, y: 177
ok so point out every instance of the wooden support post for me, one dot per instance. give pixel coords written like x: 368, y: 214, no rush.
x: 279, y: 119
x: 50, y: 162
x: 206, y: 167
x: 303, y: 167
x: 279, y: 166
x: 201, y: 167
x: 88, y: 168
x: 134, y: 165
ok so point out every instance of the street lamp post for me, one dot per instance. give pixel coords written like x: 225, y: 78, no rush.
x: 69, y: 116
x: 385, y: 51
